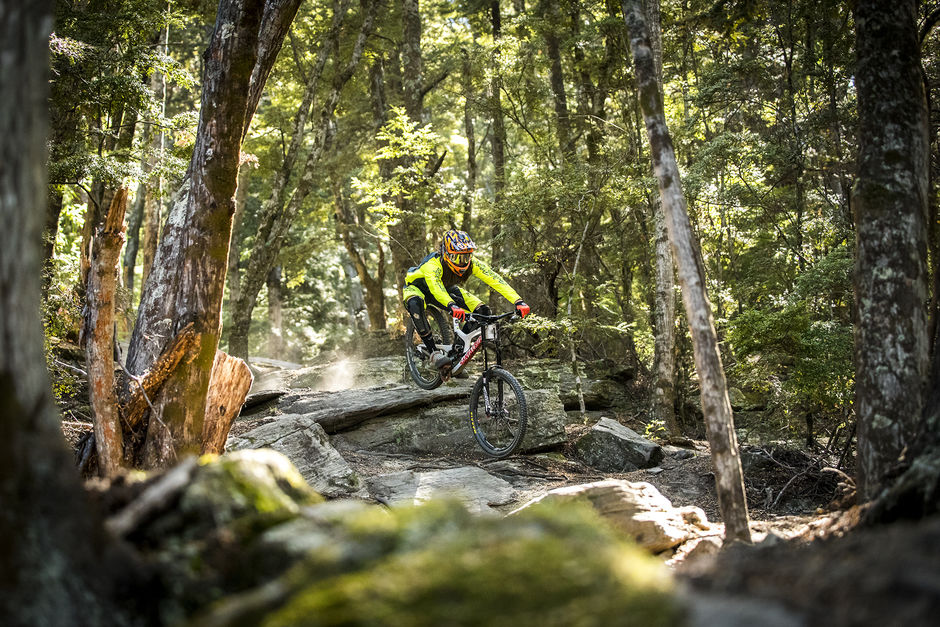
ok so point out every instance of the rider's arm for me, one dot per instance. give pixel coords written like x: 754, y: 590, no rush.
x: 486, y: 274
x: 432, y: 271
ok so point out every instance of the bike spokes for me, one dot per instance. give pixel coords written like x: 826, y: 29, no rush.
x: 498, y: 413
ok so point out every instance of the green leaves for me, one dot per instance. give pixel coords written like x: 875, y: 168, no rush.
x: 405, y: 150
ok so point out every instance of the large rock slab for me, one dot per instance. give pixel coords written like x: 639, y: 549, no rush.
x: 443, y: 429
x: 345, y: 409
x: 474, y: 487
x: 552, y: 374
x: 611, y: 447
x: 307, y: 446
x: 636, y: 509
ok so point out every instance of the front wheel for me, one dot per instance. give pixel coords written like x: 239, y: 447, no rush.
x: 498, y: 413
x: 416, y: 354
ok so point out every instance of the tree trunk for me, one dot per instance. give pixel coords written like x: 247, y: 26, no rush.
x: 498, y: 146
x: 467, y: 218
x: 57, y: 562
x: 557, y: 82
x: 275, y: 24
x: 891, y: 205
x: 716, y: 406
x: 235, y: 248
x: 242, y: 303
x: 408, y: 236
x: 355, y: 303
x: 99, y: 336
x: 374, y: 286
x: 664, y: 328
x: 153, y: 217
x: 664, y: 311
x: 134, y: 221
x: 53, y: 212
x: 228, y: 387
x: 153, y: 197
x: 187, y: 281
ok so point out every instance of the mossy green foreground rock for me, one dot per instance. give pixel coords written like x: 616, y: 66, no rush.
x: 444, y: 567
x: 258, y: 559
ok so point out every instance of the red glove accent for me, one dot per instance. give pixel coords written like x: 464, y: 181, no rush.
x: 522, y: 309
x: 457, y: 312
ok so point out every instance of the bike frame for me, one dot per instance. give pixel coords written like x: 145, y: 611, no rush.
x: 473, y: 341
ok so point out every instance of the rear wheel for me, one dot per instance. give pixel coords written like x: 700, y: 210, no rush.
x: 416, y: 354
x: 498, y: 414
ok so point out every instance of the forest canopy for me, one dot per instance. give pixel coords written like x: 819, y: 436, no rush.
x: 378, y: 125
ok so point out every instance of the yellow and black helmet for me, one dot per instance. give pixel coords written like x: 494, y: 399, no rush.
x: 457, y: 251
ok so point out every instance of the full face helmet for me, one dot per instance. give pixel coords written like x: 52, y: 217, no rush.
x: 457, y: 251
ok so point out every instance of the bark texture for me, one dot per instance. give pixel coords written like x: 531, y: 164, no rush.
x: 716, y: 405
x: 664, y: 312
x: 99, y: 336
x: 187, y: 281
x: 57, y: 567
x: 891, y: 215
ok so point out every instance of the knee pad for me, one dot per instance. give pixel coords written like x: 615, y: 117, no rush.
x: 483, y: 309
x: 415, y: 307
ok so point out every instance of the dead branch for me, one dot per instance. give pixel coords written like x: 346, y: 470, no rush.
x: 148, y: 384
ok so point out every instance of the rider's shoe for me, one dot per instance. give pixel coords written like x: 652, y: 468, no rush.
x: 439, y: 360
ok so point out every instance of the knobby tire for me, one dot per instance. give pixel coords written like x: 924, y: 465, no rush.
x: 500, y: 433
x: 421, y: 370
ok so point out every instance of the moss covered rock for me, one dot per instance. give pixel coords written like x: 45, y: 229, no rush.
x: 438, y: 565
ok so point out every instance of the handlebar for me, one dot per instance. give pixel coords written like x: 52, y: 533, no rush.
x: 494, y: 318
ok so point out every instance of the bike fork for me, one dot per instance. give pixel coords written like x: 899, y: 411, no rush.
x: 486, y: 396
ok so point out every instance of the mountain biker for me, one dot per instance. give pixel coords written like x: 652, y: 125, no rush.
x: 437, y: 279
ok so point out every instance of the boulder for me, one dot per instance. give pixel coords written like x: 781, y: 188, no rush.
x: 306, y: 445
x: 611, y: 447
x: 474, y: 487
x: 554, y: 375
x: 443, y: 429
x: 439, y: 565
x: 636, y: 509
x: 196, y: 525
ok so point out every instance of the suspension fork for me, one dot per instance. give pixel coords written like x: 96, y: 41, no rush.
x: 486, y: 371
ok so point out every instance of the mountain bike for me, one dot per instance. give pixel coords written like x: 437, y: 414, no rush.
x: 498, y: 415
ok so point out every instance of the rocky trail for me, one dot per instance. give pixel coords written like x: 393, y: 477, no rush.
x: 249, y: 535
x: 361, y: 429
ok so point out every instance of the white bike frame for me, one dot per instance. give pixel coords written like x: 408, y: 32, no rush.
x: 471, y: 341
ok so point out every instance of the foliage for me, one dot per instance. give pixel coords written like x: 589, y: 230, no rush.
x: 761, y: 107
x: 795, y: 352
x: 407, y: 147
